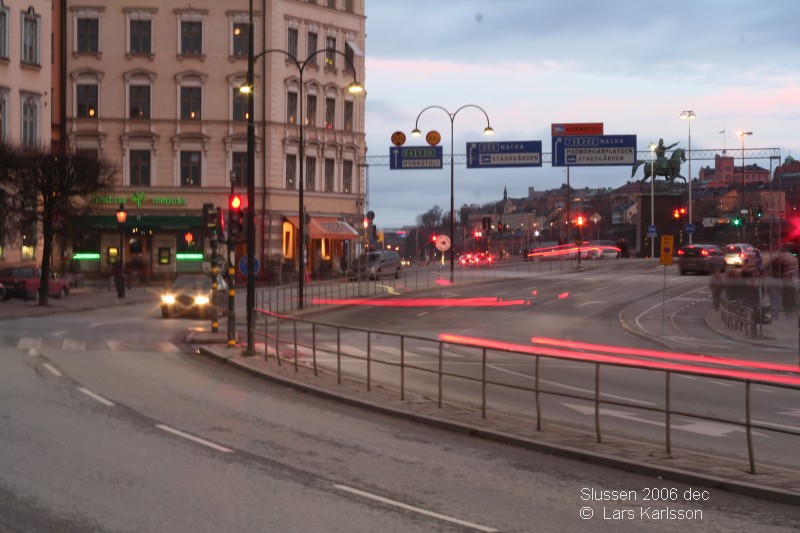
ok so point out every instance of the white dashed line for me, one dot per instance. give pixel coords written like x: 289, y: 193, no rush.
x: 194, y: 439
x: 96, y: 397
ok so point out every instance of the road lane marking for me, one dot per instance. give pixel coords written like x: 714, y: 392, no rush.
x: 96, y: 397
x: 73, y: 345
x: 52, y: 370
x: 569, y: 387
x: 710, y: 429
x: 411, y: 508
x: 192, y: 438
x: 27, y: 343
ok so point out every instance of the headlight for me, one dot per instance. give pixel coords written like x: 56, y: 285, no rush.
x: 168, y: 299
x: 201, y: 300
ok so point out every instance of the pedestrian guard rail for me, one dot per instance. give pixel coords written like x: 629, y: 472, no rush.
x: 457, y: 370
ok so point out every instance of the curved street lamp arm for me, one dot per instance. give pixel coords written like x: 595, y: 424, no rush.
x: 453, y: 115
x: 301, y: 65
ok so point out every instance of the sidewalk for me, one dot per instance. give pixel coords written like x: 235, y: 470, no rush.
x: 85, y: 297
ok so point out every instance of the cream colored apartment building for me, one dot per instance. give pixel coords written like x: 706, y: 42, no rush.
x: 25, y: 95
x: 154, y: 86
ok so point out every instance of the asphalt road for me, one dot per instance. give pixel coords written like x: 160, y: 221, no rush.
x: 110, y: 423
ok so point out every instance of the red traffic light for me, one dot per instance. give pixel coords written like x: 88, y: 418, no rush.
x: 580, y: 220
x: 236, y: 202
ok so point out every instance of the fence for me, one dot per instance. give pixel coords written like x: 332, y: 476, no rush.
x: 435, y: 368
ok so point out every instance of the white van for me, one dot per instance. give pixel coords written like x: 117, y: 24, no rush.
x: 376, y: 265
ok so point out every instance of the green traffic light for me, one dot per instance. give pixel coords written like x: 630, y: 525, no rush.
x: 735, y: 221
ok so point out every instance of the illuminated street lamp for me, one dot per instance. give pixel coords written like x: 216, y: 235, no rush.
x: 689, y: 116
x: 742, y: 207
x: 354, y: 88
x: 122, y: 216
x: 416, y: 133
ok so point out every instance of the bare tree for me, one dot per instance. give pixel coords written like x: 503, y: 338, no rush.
x: 431, y: 219
x: 50, y: 185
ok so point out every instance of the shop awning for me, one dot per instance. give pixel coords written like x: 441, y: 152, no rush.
x: 327, y: 228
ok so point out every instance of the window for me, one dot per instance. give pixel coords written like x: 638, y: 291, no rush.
x: 3, y: 115
x: 4, y: 21
x: 86, y: 101
x: 140, y: 168
x: 30, y: 38
x: 331, y: 3
x: 141, y: 36
x: 311, y: 172
x: 191, y: 99
x: 139, y: 101
x: 291, y: 171
x: 240, y: 104
x: 190, y: 169
x: 239, y: 168
x: 291, y: 107
x: 330, y: 54
x: 330, y: 113
x: 350, y: 59
x: 241, y: 37
x: 312, y: 47
x: 349, y: 5
x: 88, y: 32
x: 311, y: 109
x: 291, y: 42
x: 330, y: 166
x: 347, y: 176
x: 191, y: 38
x: 30, y: 120
x: 348, y: 115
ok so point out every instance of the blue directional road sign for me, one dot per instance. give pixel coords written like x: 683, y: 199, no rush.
x: 243, y: 265
x: 690, y: 228
x: 411, y: 157
x: 594, y: 150
x: 651, y: 232
x: 504, y: 154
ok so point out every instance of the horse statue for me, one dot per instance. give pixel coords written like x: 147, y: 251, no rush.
x: 668, y: 168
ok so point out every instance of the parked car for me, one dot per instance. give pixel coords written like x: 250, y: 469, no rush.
x: 24, y: 282
x: 739, y: 254
x: 375, y: 265
x: 702, y: 258
x: 192, y: 294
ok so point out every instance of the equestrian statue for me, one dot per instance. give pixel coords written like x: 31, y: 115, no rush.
x: 670, y: 168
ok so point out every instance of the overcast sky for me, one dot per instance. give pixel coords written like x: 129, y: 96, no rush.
x: 632, y: 65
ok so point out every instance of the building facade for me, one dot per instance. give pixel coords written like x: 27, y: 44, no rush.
x: 154, y: 87
x: 26, y: 99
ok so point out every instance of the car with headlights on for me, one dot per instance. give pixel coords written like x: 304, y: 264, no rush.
x: 701, y: 258
x: 192, y: 294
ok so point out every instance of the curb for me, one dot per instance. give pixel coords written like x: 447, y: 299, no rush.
x: 677, y: 474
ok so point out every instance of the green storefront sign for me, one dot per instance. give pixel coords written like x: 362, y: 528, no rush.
x: 140, y: 199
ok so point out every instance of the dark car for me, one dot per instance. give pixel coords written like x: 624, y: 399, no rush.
x: 702, y: 258
x: 192, y: 294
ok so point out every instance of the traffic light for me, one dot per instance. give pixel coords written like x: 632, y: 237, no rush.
x: 236, y: 207
x: 580, y: 220
x: 759, y: 212
x: 735, y: 221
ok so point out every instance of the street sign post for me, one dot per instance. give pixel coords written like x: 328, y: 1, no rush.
x: 504, y: 154
x: 666, y: 249
x: 594, y: 150
x: 652, y: 232
x: 415, y: 157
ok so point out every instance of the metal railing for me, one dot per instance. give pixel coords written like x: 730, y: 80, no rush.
x: 438, y: 367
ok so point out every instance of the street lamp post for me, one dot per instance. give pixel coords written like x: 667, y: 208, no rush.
x: 354, y: 88
x: 689, y: 116
x: 652, y: 199
x: 742, y: 208
x: 416, y: 133
x: 122, y: 216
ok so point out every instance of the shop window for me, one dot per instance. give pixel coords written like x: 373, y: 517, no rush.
x: 113, y: 255
x: 164, y: 256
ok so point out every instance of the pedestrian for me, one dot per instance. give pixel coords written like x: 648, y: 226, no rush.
x: 789, y: 300
x: 774, y: 290
x: 716, y: 284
